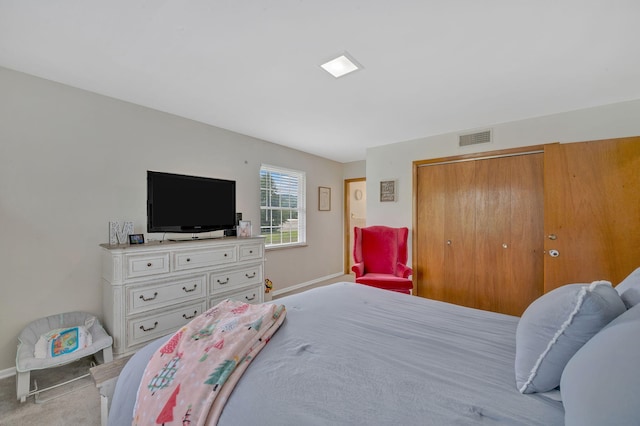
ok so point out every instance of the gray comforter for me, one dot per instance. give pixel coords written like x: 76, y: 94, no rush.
x: 350, y: 354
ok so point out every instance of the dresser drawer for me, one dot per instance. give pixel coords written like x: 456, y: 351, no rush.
x: 203, y: 258
x: 228, y: 280
x: 147, y: 297
x: 150, y: 327
x: 250, y: 252
x: 145, y: 265
x: 252, y: 294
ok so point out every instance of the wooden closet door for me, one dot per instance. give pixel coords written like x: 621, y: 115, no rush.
x: 479, y: 232
x: 459, y: 285
x: 429, y: 267
x: 527, y: 233
x: 509, y: 233
x: 592, y: 209
x: 445, y: 233
x: 493, y: 214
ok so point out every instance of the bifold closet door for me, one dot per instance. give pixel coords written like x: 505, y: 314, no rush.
x: 446, y: 239
x: 509, y: 232
x: 592, y: 211
x: 479, y: 232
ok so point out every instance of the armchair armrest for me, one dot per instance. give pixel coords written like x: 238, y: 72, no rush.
x: 358, y: 269
x: 403, y: 270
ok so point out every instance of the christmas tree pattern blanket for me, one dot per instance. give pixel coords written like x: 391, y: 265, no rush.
x: 189, y: 379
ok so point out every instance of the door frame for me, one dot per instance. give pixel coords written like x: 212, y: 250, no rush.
x: 346, y: 216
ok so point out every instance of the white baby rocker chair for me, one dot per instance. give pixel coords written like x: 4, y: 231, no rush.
x: 31, y: 343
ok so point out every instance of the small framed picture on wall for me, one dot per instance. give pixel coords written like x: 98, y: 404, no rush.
x: 387, y: 190
x: 324, y: 198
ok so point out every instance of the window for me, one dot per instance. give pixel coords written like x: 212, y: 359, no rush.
x: 282, y: 206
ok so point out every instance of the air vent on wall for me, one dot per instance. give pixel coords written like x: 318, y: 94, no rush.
x: 475, y: 138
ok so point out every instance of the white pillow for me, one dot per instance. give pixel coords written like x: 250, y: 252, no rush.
x: 555, y: 326
x: 629, y: 289
x: 601, y: 383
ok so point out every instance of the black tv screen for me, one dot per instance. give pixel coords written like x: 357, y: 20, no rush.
x: 180, y: 203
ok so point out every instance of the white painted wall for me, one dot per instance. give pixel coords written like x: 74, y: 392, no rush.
x: 396, y: 161
x: 71, y: 161
x: 355, y: 169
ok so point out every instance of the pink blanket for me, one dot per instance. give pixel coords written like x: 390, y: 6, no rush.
x: 189, y: 379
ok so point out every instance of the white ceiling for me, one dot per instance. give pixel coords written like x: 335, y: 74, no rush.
x: 252, y: 66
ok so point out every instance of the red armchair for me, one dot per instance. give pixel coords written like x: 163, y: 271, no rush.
x: 380, y: 256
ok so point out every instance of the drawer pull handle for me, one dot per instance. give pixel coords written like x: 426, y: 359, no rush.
x: 250, y: 298
x: 188, y: 259
x: 155, y: 324
x: 155, y: 294
x: 149, y: 265
x: 225, y: 281
x: 250, y: 276
x: 250, y: 251
x: 190, y: 316
x: 225, y: 255
x: 193, y: 289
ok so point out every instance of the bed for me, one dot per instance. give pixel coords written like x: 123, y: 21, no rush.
x: 353, y: 354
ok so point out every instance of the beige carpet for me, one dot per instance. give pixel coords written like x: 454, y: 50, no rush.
x: 79, y: 403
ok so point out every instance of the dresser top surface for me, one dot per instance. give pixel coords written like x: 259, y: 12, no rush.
x: 182, y: 244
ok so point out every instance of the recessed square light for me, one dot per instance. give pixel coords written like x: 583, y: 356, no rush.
x: 340, y: 66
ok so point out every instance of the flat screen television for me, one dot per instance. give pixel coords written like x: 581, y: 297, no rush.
x: 190, y: 204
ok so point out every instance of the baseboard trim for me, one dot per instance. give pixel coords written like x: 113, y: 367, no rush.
x: 7, y: 372
x: 305, y: 284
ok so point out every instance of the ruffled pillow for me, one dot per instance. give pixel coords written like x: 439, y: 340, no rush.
x: 555, y: 326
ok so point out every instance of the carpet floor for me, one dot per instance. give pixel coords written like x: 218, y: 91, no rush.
x: 77, y: 403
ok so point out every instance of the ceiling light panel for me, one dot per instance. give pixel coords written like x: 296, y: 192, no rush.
x: 340, y: 66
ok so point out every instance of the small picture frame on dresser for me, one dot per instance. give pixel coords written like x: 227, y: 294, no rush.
x: 244, y: 228
x: 136, y: 238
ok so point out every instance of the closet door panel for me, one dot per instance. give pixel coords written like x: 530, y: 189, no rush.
x: 525, y: 274
x: 430, y: 248
x: 509, y: 232
x: 446, y: 233
x: 459, y: 234
x: 592, y: 209
x: 493, y: 208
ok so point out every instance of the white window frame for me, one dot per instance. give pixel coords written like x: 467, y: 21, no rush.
x: 298, y: 187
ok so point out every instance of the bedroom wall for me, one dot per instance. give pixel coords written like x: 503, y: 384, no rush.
x: 355, y: 169
x: 71, y: 161
x: 395, y: 161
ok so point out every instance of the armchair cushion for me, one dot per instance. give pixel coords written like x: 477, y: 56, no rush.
x: 387, y: 281
x: 379, y: 250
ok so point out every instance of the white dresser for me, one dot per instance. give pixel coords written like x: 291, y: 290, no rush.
x: 152, y: 289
